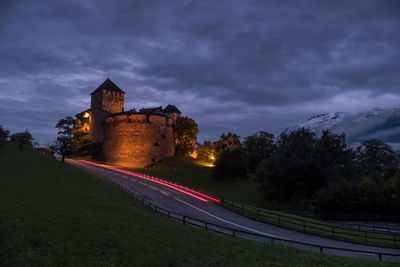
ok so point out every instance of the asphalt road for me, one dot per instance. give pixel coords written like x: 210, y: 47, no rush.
x: 173, y: 200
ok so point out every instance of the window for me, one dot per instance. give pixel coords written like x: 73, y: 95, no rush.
x: 163, y: 135
x: 156, y: 144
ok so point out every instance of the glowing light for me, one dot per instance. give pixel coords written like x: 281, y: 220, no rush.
x: 212, y: 157
x: 86, y: 115
x: 182, y: 189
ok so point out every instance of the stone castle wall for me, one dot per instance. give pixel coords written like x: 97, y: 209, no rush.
x: 103, y: 103
x: 137, y: 140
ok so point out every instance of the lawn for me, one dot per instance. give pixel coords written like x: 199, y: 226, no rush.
x: 194, y: 173
x: 55, y: 214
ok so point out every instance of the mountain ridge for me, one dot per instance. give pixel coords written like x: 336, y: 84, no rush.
x: 382, y: 124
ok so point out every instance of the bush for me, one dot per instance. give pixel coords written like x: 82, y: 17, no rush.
x: 359, y: 198
x: 230, y: 163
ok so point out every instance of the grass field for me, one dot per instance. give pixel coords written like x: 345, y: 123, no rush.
x: 195, y: 174
x: 55, y: 214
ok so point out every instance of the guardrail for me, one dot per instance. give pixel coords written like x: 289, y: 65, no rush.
x: 208, y: 226
x: 309, y: 226
x: 370, y: 228
x: 364, y: 218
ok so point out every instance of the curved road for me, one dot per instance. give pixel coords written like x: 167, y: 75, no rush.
x: 173, y: 200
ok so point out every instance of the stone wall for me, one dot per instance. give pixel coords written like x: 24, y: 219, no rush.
x: 103, y: 103
x: 138, y: 140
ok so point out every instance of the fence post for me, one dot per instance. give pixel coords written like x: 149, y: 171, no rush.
x: 156, y: 210
x: 279, y: 219
x: 304, y: 225
x: 394, y: 239
x: 169, y: 216
x: 272, y: 240
x: 380, y: 256
x: 206, y: 226
x: 321, y: 249
x: 184, y: 219
x: 333, y: 230
x: 366, y: 236
x: 233, y: 233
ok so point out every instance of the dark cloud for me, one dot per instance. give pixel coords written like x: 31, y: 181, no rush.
x: 237, y: 66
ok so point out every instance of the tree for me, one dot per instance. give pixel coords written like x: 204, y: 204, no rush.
x: 230, y: 163
x: 303, y: 164
x: 334, y: 159
x: 4, y: 134
x: 23, y: 138
x: 186, y: 131
x: 229, y: 141
x: 289, y: 174
x: 62, y: 146
x: 257, y: 147
x: 82, y: 140
x: 64, y: 143
x: 207, y: 152
x: 377, y: 159
x: 66, y: 127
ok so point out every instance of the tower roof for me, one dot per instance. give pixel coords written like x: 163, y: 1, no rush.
x: 108, y: 85
x: 172, y: 109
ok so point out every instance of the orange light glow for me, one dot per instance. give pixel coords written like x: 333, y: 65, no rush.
x: 86, y: 115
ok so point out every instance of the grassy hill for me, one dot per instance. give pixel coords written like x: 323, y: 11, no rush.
x: 194, y: 173
x: 57, y: 214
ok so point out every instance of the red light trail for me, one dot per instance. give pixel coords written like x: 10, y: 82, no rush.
x: 182, y: 189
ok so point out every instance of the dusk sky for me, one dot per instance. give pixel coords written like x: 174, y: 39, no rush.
x: 239, y: 66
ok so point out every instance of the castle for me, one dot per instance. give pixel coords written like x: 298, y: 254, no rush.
x: 131, y: 138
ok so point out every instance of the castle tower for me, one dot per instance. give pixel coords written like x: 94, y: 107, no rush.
x: 173, y: 111
x: 107, y: 99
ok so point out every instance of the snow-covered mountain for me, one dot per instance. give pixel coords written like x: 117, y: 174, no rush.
x: 382, y: 124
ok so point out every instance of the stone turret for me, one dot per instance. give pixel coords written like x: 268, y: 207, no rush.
x: 173, y: 111
x: 107, y: 99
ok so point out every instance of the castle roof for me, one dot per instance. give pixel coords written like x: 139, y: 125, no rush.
x: 82, y: 113
x: 133, y: 112
x: 108, y: 85
x: 151, y: 110
x: 172, y: 109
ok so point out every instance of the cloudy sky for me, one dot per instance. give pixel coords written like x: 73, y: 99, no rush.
x: 239, y: 66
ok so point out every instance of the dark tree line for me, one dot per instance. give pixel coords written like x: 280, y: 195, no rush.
x: 4, y: 134
x: 304, y: 169
x: 21, y: 138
